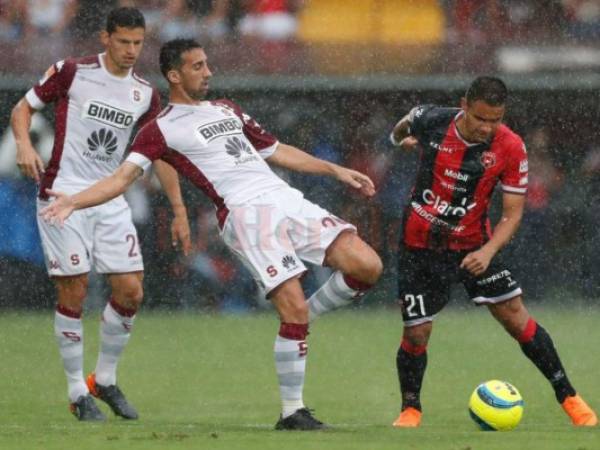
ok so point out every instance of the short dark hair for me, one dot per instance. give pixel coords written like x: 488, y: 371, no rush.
x: 490, y: 90
x: 125, y: 17
x: 171, y: 51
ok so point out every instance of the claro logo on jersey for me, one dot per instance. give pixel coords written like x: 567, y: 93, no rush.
x: 445, y: 208
x: 107, y: 114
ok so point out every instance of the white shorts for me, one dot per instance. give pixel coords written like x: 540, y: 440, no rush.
x: 274, y: 232
x: 103, y: 235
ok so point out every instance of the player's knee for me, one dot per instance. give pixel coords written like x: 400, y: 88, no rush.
x: 296, y: 311
x: 131, y: 294
x: 373, y: 267
x: 418, y: 335
x: 135, y: 294
x: 72, y: 290
x: 368, y: 267
x: 292, y: 310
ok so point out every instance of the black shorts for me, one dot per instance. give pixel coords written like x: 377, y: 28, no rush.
x: 425, y: 278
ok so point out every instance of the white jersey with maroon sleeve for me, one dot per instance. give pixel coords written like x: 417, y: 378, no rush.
x: 95, y: 115
x: 215, y: 145
x: 268, y: 224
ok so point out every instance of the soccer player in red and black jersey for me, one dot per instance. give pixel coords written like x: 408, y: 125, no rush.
x: 447, y: 236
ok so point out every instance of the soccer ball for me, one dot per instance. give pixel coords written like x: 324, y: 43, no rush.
x: 496, y: 406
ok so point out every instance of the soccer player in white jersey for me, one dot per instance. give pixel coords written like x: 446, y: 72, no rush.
x: 98, y: 101
x: 268, y: 224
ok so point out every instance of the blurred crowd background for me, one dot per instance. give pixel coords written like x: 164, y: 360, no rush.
x: 332, y: 77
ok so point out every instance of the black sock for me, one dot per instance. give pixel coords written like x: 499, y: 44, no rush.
x: 540, y: 350
x: 411, y: 369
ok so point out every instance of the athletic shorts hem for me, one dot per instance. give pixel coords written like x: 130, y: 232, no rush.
x: 63, y: 274
x: 119, y: 272
x: 502, y: 298
x: 418, y: 321
x: 298, y: 274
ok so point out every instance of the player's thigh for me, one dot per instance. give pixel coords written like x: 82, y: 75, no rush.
x: 116, y: 244
x: 66, y: 249
x: 353, y: 256
x: 423, y: 285
x: 265, y: 250
x: 496, y: 285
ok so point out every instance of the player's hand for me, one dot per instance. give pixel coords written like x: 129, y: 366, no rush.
x: 29, y: 162
x: 409, y: 143
x: 180, y: 232
x: 477, y: 262
x: 357, y: 180
x: 59, y: 210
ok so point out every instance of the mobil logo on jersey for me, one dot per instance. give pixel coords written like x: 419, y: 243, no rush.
x: 108, y: 114
x: 446, y: 208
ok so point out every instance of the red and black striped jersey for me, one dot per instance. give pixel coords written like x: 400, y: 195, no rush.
x: 449, y: 203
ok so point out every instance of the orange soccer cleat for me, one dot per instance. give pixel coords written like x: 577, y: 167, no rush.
x: 580, y: 413
x: 408, y: 418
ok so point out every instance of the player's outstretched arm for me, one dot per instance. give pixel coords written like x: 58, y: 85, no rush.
x: 180, y: 227
x: 512, y: 211
x: 400, y: 136
x: 104, y: 190
x: 28, y: 160
x: 293, y: 158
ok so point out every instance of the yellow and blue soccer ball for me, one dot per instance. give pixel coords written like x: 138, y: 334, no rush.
x: 496, y: 406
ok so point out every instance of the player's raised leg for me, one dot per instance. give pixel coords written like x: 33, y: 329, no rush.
x: 68, y: 331
x: 357, y: 267
x: 537, y: 345
x: 115, y: 330
x: 291, y: 351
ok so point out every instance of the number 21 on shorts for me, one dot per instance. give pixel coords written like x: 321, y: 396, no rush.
x: 414, y: 305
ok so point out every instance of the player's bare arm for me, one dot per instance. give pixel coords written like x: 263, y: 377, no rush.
x: 180, y: 227
x: 512, y: 211
x: 293, y: 158
x: 104, y: 190
x: 401, y: 137
x: 28, y: 160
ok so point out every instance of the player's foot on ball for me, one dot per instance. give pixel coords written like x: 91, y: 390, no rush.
x: 301, y: 420
x: 580, y: 413
x: 86, y: 410
x: 408, y: 418
x: 113, y: 397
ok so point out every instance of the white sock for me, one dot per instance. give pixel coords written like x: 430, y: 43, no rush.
x: 115, y: 331
x: 69, y: 336
x: 335, y: 293
x: 290, y: 362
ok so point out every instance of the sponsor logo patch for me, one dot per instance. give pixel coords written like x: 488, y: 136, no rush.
x: 226, y: 127
x: 488, y: 159
x: 107, y: 114
x: 523, y: 166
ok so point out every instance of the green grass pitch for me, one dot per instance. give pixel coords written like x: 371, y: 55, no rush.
x: 203, y: 381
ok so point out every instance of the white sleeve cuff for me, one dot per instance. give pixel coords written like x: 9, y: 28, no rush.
x: 139, y: 160
x: 514, y: 190
x: 268, y: 151
x: 33, y: 100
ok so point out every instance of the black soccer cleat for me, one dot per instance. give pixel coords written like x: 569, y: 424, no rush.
x: 113, y: 397
x: 301, y: 420
x: 86, y: 410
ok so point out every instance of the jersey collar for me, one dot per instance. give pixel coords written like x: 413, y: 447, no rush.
x: 101, y: 57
